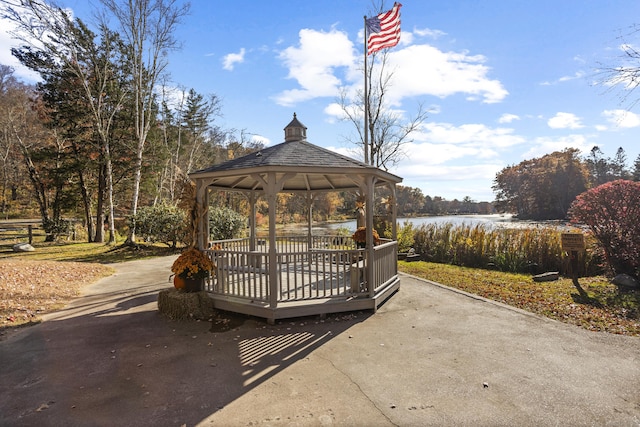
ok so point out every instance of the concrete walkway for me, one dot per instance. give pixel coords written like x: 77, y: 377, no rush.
x: 429, y: 356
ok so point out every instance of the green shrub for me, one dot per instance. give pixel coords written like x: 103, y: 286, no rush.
x: 405, y: 236
x: 55, y: 228
x: 160, y: 223
x: 225, y: 223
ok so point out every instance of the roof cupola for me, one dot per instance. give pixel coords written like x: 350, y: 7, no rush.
x: 295, y: 131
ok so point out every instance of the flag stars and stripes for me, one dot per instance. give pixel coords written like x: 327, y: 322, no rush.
x: 383, y: 29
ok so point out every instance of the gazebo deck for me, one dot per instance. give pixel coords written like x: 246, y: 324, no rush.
x: 314, y: 275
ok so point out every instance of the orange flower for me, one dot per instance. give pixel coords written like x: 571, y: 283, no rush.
x: 360, y: 236
x: 192, y: 264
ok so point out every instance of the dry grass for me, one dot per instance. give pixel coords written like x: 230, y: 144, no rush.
x: 604, y: 308
x: 42, y: 281
x: 30, y: 288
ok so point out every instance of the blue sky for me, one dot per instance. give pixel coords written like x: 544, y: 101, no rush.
x: 504, y: 81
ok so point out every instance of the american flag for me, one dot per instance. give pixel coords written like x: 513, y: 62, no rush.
x: 383, y: 29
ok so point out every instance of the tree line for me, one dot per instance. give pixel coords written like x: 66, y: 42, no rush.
x: 544, y: 188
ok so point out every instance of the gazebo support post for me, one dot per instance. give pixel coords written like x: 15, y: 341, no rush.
x: 202, y: 211
x: 369, y: 193
x: 309, y: 199
x: 394, y: 212
x: 272, y: 199
x: 252, y: 220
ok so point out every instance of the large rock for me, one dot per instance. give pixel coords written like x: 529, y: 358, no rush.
x: 549, y: 276
x: 23, y: 247
x: 624, y: 282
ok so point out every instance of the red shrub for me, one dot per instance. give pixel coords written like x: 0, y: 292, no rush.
x: 612, y: 212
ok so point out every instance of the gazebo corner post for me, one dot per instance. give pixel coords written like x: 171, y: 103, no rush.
x: 394, y: 212
x: 370, y: 190
x: 309, y: 200
x: 202, y: 212
x: 272, y: 202
x: 252, y: 220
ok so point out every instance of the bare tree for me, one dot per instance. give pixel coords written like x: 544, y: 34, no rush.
x: 147, y: 26
x: 626, y: 73
x: 388, y: 129
x: 187, y: 133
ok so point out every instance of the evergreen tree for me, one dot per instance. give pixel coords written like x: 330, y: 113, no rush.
x: 636, y: 169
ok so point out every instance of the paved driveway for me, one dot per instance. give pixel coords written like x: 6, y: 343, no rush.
x: 429, y: 356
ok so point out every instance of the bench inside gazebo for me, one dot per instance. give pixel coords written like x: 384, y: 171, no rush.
x: 285, y: 276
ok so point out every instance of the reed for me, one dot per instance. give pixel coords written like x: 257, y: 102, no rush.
x: 519, y: 250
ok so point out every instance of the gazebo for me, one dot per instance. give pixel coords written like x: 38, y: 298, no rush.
x: 285, y: 276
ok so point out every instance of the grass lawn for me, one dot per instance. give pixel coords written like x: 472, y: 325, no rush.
x: 605, y: 309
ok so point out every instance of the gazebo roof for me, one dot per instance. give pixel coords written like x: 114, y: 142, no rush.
x: 304, y: 167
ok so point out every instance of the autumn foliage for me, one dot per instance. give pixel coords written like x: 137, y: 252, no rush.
x: 612, y: 212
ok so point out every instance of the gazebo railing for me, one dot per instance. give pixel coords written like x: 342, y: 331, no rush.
x: 385, y: 267
x: 316, y: 274
x: 330, y: 268
x: 240, y: 273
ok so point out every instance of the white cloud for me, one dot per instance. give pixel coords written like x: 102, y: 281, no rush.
x: 482, y: 171
x: 622, y: 118
x: 230, y: 60
x: 313, y: 62
x: 577, y: 75
x: 174, y: 96
x: 6, y: 58
x: 508, y: 118
x: 261, y: 139
x: 428, y: 32
x: 425, y: 70
x: 452, y: 181
x: 547, y: 145
x: 564, y: 121
x: 476, y: 138
x: 418, y: 70
x: 334, y: 112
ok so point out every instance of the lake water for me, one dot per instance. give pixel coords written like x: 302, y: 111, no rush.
x: 487, y: 220
x: 490, y: 221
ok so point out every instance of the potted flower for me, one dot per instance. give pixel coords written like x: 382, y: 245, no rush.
x: 360, y: 237
x: 190, y: 269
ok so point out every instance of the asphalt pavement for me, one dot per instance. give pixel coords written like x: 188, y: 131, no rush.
x: 430, y: 356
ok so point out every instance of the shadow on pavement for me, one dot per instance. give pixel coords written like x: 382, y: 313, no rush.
x: 111, y: 359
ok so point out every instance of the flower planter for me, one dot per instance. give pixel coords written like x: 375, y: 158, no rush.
x: 191, y: 262
x: 193, y: 285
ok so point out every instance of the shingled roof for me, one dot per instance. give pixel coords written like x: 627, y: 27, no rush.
x: 309, y: 167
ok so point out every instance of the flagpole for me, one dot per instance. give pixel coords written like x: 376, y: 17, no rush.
x: 366, y: 98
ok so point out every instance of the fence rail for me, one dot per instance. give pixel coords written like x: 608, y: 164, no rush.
x: 307, y: 268
x: 18, y: 232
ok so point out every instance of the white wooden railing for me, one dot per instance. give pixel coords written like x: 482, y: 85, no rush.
x: 326, y: 267
x: 385, y: 265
